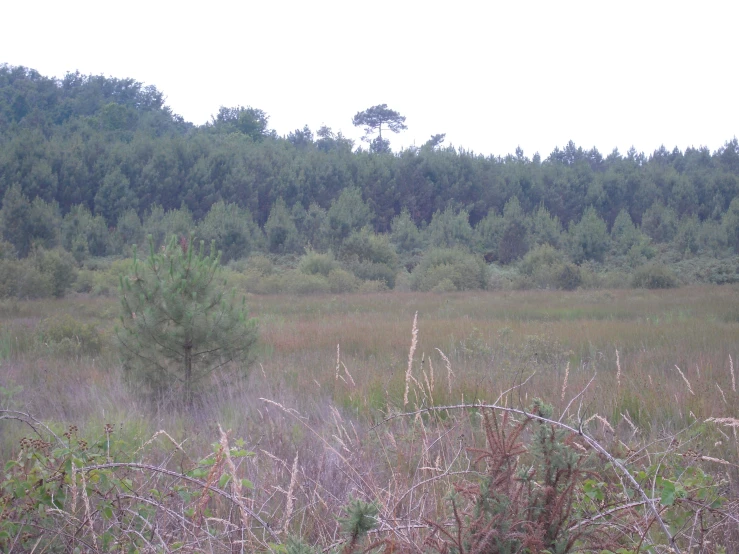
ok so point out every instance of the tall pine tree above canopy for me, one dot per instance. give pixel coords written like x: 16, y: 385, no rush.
x: 373, y: 119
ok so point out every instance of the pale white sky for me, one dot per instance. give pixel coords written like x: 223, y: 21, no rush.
x: 491, y: 75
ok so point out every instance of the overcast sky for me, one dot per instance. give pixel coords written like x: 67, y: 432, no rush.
x: 491, y: 75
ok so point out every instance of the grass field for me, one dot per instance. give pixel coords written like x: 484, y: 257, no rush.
x: 642, y: 367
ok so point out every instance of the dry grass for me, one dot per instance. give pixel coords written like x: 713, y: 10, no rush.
x: 314, y: 437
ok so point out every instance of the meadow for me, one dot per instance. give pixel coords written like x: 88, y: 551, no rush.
x: 319, y: 430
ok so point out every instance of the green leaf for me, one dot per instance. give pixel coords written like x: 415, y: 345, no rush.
x: 668, y: 493
x: 223, y: 481
x: 20, y: 489
x: 10, y: 464
x: 198, y: 472
x: 248, y: 484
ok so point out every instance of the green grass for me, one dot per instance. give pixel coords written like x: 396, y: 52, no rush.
x: 492, y: 340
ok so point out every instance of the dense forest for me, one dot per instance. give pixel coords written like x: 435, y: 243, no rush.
x: 90, y: 165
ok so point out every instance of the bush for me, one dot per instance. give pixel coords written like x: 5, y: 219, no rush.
x: 106, y: 282
x: 654, y: 276
x: 341, y: 281
x: 403, y: 281
x: 371, y: 271
x: 84, y: 282
x: 499, y: 277
x: 296, y: 282
x: 370, y: 257
x: 314, y: 263
x: 260, y: 264
x: 721, y: 272
x: 445, y: 285
x: 545, y: 267
x: 368, y: 287
x: 543, y: 256
x: 22, y: 279
x: 465, y: 270
x: 84, y: 234
x: 567, y: 276
x: 59, y: 266
x: 65, y: 335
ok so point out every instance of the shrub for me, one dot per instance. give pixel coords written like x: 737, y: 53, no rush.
x: 543, y: 256
x: 368, y: 287
x: 545, y: 267
x: 341, y: 281
x: 567, y: 276
x: 106, y: 282
x: 370, y: 257
x: 85, y: 281
x: 22, y: 279
x: 721, y: 272
x: 499, y: 277
x: 282, y: 234
x: 370, y: 271
x: 59, y: 266
x: 465, y: 270
x: 654, y: 276
x: 65, y: 335
x: 260, y: 264
x: 296, y: 282
x: 403, y: 280
x: 314, y: 263
x: 445, y: 285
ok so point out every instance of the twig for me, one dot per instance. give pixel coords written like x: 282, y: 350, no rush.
x: 592, y: 442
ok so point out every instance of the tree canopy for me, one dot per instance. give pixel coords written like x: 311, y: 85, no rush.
x: 94, y: 163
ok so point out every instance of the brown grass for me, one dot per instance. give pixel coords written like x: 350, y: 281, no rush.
x: 314, y: 435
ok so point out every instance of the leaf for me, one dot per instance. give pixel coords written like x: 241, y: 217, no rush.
x: 248, y: 484
x: 223, y: 481
x: 668, y: 493
x: 11, y: 464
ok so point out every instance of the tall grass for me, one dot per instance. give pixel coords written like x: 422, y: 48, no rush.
x: 638, y: 365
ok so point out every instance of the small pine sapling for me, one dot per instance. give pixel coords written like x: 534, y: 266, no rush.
x: 177, y: 325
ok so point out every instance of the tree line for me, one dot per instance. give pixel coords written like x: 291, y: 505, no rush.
x: 93, y: 164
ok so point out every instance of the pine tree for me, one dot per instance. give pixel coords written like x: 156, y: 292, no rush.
x: 177, y: 325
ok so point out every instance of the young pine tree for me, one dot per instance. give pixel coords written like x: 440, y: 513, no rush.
x: 177, y: 324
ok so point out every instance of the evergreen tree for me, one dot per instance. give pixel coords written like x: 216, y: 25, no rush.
x: 588, y: 239
x: 514, y: 239
x: 231, y: 229
x: 405, y: 234
x: 373, y: 120
x: 450, y: 229
x: 280, y: 230
x: 177, y: 325
x: 15, y: 220
x: 84, y: 234
x: 348, y: 213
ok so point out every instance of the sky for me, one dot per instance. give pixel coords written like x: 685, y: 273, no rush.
x: 492, y: 75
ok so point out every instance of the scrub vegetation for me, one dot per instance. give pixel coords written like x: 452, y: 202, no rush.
x: 386, y: 421
x: 442, y: 352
